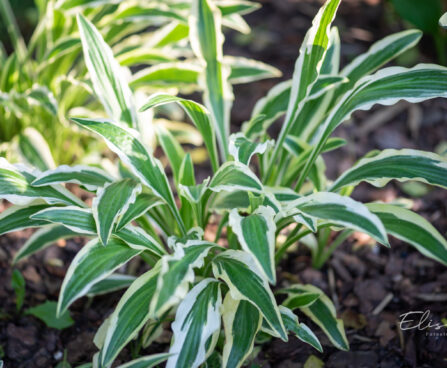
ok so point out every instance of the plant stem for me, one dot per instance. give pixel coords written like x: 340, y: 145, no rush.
x: 324, y: 256
x: 289, y: 242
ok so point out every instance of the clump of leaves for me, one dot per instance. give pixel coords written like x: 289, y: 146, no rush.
x: 42, y: 82
x: 259, y: 189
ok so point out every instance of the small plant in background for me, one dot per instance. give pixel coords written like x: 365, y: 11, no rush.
x: 264, y: 195
x: 43, y: 82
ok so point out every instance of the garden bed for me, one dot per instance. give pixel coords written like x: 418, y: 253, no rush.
x: 371, y: 286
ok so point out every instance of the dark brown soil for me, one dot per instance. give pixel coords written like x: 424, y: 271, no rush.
x: 359, y: 277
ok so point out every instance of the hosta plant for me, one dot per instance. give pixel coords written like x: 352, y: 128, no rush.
x: 212, y: 247
x: 44, y: 82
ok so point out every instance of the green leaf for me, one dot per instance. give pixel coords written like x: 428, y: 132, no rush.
x: 196, y: 321
x: 18, y: 285
x: 206, y: 41
x: 242, y: 322
x: 245, y: 282
x: 386, y: 87
x: 17, y: 218
x: 413, y: 229
x: 256, y: 235
x: 245, y: 70
x: 147, y: 361
x: 107, y: 75
x: 323, y: 313
x: 402, y: 165
x: 236, y: 6
x: 42, y: 96
x: 301, y: 300
x: 182, y: 75
x: 242, y: 148
x: 172, y: 149
x: 176, y: 273
x: 198, y: 115
x: 79, y: 220
x: 88, y: 176
x: 46, y: 312
x: 111, y: 202
x: 378, y: 55
x: 270, y: 108
x: 234, y: 176
x: 143, y: 203
x: 129, y: 316
x: 132, y: 152
x: 15, y: 187
x: 110, y: 284
x: 340, y: 211
x: 35, y: 150
x: 42, y: 239
x: 93, y: 263
x: 300, y: 330
x: 309, y: 63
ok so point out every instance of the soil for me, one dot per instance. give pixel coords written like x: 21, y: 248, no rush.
x: 371, y: 286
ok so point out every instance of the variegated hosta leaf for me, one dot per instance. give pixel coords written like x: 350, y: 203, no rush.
x: 275, y: 103
x: 114, y: 282
x: 42, y: 96
x: 176, y: 273
x: 198, y: 115
x: 386, y: 87
x: 309, y: 62
x: 301, y: 300
x: 132, y: 152
x: 194, y: 193
x: 402, y: 165
x: 242, y: 148
x: 256, y: 235
x: 129, y: 316
x: 342, y: 211
x: 196, y: 321
x: 241, y: 7
x: 331, y: 62
x: 148, y: 361
x: 109, y: 81
x: 41, y: 239
x: 143, y: 203
x: 206, y: 41
x: 245, y: 281
x: 378, y: 55
x: 245, y: 70
x: 270, y: 107
x: 181, y: 75
x: 300, y: 330
x: 323, y: 313
x: 88, y: 176
x: 137, y: 238
x: 18, y: 217
x: 443, y: 21
x: 172, y: 149
x: 35, y: 150
x: 413, y: 229
x: 242, y: 322
x: 15, y: 187
x: 93, y: 263
x: 79, y: 220
x: 233, y: 176
x: 111, y: 202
